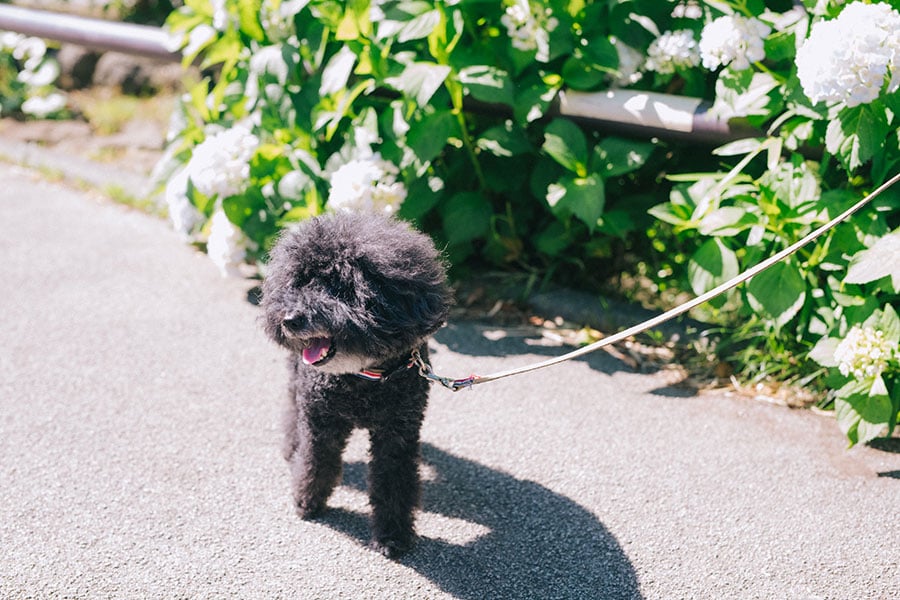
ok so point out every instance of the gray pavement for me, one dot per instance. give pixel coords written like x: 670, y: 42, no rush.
x: 139, y: 454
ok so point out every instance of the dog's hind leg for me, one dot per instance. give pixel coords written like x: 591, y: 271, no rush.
x: 394, y: 488
x: 316, y: 461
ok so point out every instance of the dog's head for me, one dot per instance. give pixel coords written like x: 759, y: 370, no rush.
x: 346, y: 292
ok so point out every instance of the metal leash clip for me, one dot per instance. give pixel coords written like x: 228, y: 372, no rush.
x: 428, y: 373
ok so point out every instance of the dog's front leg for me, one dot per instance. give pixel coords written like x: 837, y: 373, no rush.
x: 394, y: 488
x: 316, y: 461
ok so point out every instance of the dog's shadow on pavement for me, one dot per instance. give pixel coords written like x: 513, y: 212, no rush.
x: 528, y: 541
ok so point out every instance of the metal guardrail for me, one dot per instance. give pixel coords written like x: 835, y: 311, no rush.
x: 630, y: 112
x: 97, y: 34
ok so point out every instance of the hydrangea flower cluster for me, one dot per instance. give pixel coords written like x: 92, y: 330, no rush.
x: 219, y: 167
x: 277, y: 18
x: 220, y: 164
x: 227, y: 245
x: 267, y: 63
x: 864, y: 353
x: 182, y: 213
x: 529, y: 28
x: 672, y: 51
x: 36, y: 73
x: 366, y: 184
x: 847, y: 59
x: 733, y: 40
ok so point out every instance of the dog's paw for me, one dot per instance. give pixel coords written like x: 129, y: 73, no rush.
x: 390, y: 548
x: 310, y: 510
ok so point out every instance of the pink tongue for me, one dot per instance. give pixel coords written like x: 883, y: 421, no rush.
x: 316, y: 351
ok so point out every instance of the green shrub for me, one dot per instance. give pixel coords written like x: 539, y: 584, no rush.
x: 27, y: 78
x: 369, y: 106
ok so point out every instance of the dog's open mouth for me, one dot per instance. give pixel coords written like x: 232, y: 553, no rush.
x: 318, y: 351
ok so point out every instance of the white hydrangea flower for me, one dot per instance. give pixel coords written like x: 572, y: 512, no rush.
x: 220, y: 165
x: 864, y: 353
x: 366, y: 185
x: 733, y: 40
x: 673, y: 50
x: 269, y: 60
x: 687, y: 10
x: 847, y: 59
x: 631, y: 62
x: 529, y: 28
x: 266, y: 61
x: 183, y: 215
x: 31, y: 51
x: 226, y: 246
x: 44, y: 106
x: 277, y: 18
x: 45, y: 74
x: 9, y: 40
x: 220, y: 14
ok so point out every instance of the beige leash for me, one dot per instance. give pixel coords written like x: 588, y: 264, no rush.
x: 457, y: 384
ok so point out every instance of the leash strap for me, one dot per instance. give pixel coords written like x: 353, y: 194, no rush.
x: 458, y: 384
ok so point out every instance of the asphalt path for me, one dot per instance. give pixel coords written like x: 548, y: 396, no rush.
x: 139, y: 453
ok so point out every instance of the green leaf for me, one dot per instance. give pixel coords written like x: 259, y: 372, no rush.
x: 553, y: 239
x: 793, y: 183
x: 778, y: 292
x: 781, y: 45
x: 674, y: 214
x: 746, y: 94
x: 584, y: 197
x: 355, y: 21
x: 618, y: 156
x: 337, y: 72
x: 864, y: 414
x: 504, y: 140
x: 738, y: 147
x: 428, y: 136
x: 888, y: 323
x: 823, y: 351
x: 488, y: 84
x: 565, y: 142
x: 241, y: 207
x: 419, y: 27
x: 531, y: 103
x: 249, y: 19
x: 467, y: 216
x: 226, y: 49
x: 881, y: 260
x: 712, y: 265
x: 616, y: 223
x: 727, y: 221
x: 856, y: 135
x: 420, y: 80
x: 602, y: 52
x: 580, y: 74
x: 421, y: 199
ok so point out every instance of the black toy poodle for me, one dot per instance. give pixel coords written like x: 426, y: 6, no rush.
x: 352, y: 297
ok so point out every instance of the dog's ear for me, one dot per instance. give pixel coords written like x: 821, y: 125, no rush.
x: 411, y: 299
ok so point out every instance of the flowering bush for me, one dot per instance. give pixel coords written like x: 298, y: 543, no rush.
x: 822, y: 80
x: 367, y: 106
x: 867, y: 360
x: 27, y: 78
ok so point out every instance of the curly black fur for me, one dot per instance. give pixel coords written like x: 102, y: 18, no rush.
x: 343, y: 293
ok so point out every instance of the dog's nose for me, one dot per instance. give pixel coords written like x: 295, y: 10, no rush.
x: 295, y: 323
